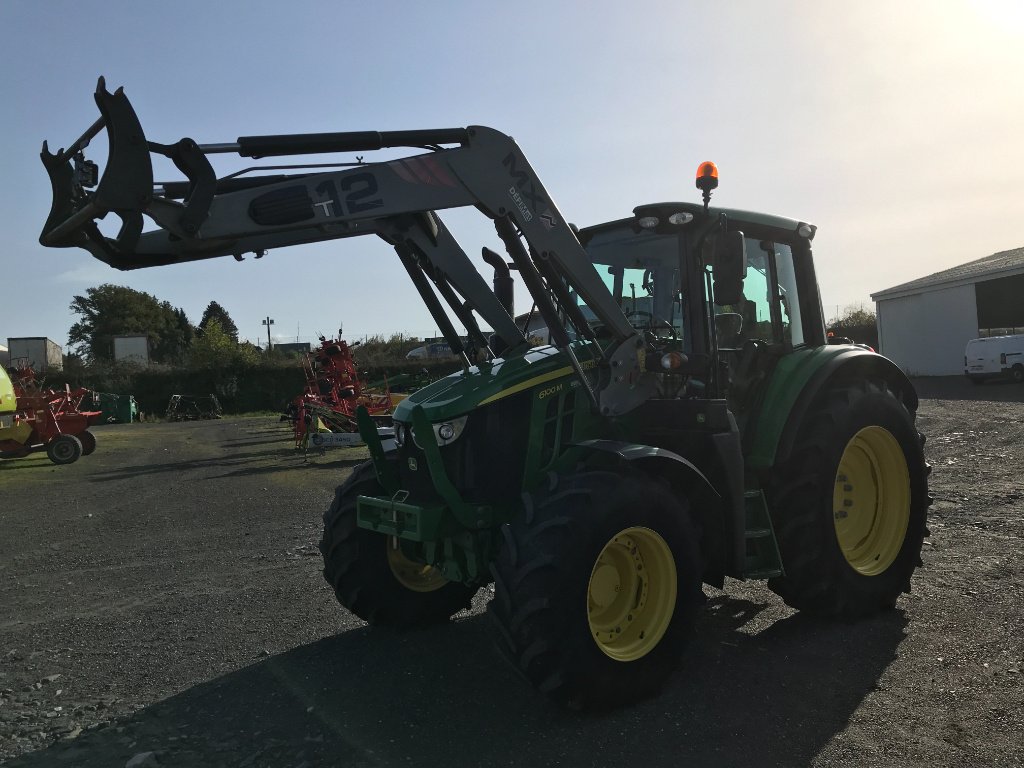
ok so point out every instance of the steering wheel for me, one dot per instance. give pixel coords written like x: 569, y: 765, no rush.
x: 652, y: 323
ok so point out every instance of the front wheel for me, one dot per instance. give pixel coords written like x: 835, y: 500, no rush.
x: 597, y: 586
x: 371, y: 575
x: 1017, y: 373
x: 850, y: 507
x: 65, y: 449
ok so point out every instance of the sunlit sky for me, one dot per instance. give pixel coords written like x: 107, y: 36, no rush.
x: 896, y: 127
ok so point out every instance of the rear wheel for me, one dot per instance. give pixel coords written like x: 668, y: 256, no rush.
x: 88, y: 441
x: 597, y: 586
x: 850, y: 508
x: 1017, y: 372
x: 371, y: 575
x: 65, y: 449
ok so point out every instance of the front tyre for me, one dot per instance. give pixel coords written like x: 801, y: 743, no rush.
x: 850, y: 507
x: 65, y: 449
x: 372, y: 577
x: 597, y: 586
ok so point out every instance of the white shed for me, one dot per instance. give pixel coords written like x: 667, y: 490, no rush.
x: 924, y: 325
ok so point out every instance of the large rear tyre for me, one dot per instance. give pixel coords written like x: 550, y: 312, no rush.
x: 597, y: 586
x: 88, y: 441
x: 65, y: 449
x: 372, y: 577
x: 850, y: 507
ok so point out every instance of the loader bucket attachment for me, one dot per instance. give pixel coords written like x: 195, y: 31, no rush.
x: 125, y: 188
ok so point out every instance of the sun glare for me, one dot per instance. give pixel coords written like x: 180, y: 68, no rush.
x: 1006, y: 15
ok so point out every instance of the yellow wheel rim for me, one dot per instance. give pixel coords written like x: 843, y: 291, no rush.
x: 631, y: 594
x: 871, y: 501
x: 412, y: 575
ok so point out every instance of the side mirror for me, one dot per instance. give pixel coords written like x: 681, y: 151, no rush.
x: 729, y: 267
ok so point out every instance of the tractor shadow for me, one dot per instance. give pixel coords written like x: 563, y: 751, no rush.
x: 744, y: 697
x: 270, y: 462
x: 278, y: 440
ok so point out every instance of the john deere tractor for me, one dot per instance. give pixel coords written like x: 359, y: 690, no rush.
x: 688, y: 421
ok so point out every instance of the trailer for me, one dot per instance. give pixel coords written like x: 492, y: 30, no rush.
x: 36, y: 352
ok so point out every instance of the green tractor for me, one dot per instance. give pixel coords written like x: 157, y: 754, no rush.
x: 687, y: 422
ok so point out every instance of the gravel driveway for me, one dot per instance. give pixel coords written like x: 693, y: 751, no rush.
x: 164, y: 596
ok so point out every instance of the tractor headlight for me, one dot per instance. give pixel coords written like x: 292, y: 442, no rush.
x: 400, y: 430
x: 447, y: 431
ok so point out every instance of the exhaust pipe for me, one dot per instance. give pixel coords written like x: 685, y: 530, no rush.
x: 504, y: 284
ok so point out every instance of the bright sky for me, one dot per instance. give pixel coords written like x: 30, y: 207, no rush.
x: 896, y: 127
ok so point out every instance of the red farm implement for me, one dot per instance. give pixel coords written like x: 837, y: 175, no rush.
x: 48, y: 420
x: 333, y: 392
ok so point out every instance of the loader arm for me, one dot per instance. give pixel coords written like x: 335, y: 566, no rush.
x: 396, y: 200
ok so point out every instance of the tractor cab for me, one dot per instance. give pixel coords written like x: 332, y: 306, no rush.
x: 718, y: 294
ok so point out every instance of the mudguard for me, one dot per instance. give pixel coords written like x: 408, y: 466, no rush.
x: 635, y: 452
x: 796, y: 383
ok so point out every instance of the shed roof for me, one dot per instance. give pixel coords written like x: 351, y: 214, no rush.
x: 1000, y: 264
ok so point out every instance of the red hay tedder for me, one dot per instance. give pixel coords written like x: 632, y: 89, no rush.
x: 333, y: 392
x: 48, y: 420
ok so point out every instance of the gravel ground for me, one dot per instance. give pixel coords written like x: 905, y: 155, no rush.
x: 161, y: 604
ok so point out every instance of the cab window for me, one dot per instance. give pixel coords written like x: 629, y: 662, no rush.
x: 770, y: 309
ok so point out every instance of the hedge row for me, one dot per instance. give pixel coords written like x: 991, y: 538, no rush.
x: 239, y: 390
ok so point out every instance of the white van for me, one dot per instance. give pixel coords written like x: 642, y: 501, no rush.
x: 995, y: 357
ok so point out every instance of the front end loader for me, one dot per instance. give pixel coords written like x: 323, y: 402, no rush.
x: 688, y: 421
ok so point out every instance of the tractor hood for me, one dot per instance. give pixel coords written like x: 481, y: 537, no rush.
x: 486, y: 383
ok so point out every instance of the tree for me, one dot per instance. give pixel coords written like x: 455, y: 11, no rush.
x: 115, y: 310
x: 216, y: 350
x: 859, y: 325
x: 215, y: 311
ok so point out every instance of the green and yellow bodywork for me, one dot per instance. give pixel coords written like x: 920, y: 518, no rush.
x: 535, y: 404
x: 536, y: 396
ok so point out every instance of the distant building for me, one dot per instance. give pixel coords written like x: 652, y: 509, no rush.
x: 5, y: 356
x: 132, y: 348
x: 41, y: 353
x: 924, y: 325
x: 296, y: 348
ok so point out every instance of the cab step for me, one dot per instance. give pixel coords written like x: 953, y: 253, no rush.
x: 762, y: 560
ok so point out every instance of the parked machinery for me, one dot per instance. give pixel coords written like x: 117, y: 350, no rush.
x: 189, y: 408
x: 333, y: 393
x: 48, y: 420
